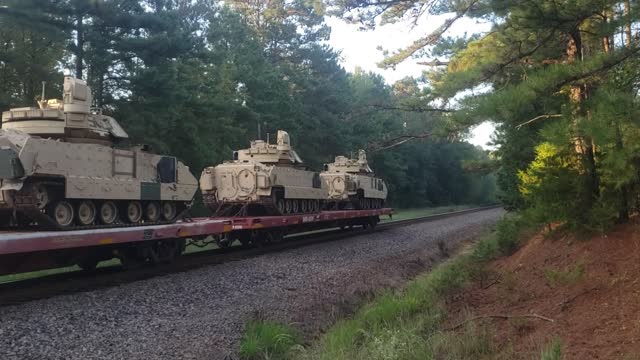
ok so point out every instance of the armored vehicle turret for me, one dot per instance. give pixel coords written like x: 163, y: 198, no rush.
x: 263, y: 179
x: 351, y: 183
x: 62, y: 165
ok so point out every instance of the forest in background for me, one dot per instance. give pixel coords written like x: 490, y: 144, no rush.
x: 198, y: 79
x: 559, y: 78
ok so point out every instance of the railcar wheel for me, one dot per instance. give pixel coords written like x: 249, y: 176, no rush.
x: 245, y: 238
x: 108, y: 213
x: 63, y: 213
x: 165, y: 251
x: 88, y: 264
x: 152, y: 212
x: 134, y: 212
x: 86, y: 213
x: 169, y: 211
x: 222, y: 242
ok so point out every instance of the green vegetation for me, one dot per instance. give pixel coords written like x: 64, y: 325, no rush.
x: 268, y: 340
x: 571, y: 275
x: 552, y: 351
x: 36, y: 274
x: 43, y: 273
x: 408, y: 324
x: 560, y: 80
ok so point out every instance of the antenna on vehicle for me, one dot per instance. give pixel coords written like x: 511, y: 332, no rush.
x: 267, y: 137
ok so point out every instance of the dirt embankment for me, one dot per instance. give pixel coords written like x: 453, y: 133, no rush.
x: 589, y: 288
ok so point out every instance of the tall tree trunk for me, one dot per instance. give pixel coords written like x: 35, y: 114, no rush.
x: 584, y: 145
x: 79, y: 46
x: 627, y: 26
x: 607, y: 41
x: 623, y: 214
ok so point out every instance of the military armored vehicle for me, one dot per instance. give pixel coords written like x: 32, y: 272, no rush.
x: 60, y: 166
x: 263, y: 179
x: 351, y: 184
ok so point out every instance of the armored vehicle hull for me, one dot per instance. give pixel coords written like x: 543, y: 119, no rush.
x: 60, y: 166
x: 351, y: 184
x: 265, y: 179
x: 63, y: 184
x: 356, y: 191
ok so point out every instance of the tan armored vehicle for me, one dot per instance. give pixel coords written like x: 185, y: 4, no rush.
x: 351, y: 183
x: 264, y: 179
x: 59, y: 167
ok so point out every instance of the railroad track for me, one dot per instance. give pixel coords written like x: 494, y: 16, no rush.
x: 17, y: 292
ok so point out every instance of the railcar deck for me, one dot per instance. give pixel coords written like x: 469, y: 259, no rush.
x: 22, y: 251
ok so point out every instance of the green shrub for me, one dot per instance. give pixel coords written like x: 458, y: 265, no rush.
x: 268, y: 340
x: 552, y: 351
x: 569, y: 276
x: 407, y: 325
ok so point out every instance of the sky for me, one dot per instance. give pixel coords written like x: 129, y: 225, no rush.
x: 360, y: 49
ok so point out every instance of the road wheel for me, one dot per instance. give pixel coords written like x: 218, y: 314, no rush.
x: 134, y: 212
x: 152, y: 212
x: 288, y: 206
x: 108, y: 212
x: 86, y: 213
x: 295, y: 206
x: 41, y: 195
x: 63, y: 213
x: 280, y: 205
x: 169, y: 211
x: 304, y: 206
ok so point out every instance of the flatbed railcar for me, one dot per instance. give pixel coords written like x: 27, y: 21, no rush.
x: 25, y: 251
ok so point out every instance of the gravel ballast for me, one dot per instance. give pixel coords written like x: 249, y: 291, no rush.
x: 200, y: 314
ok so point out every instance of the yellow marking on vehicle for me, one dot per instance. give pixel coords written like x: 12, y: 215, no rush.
x: 106, y: 241
x: 227, y: 228
x: 183, y: 233
x: 257, y: 226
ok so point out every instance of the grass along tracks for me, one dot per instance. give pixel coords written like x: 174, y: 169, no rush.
x: 409, y: 324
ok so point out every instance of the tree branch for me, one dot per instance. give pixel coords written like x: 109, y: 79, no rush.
x: 427, y: 40
x: 538, y: 118
x: 499, y: 316
x: 397, y: 141
x: 435, y: 62
x: 605, y: 66
x: 413, y: 109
